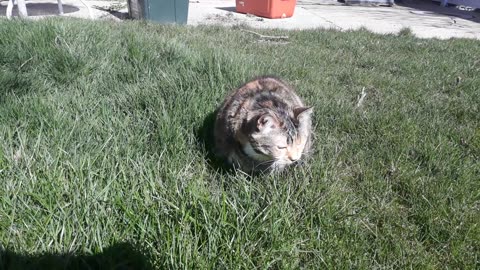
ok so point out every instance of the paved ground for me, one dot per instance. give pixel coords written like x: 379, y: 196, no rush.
x: 426, y: 19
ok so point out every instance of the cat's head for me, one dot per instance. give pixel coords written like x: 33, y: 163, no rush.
x: 278, y: 139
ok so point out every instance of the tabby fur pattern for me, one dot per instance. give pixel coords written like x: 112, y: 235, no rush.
x: 263, y: 126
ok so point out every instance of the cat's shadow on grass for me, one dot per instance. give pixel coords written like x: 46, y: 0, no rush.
x: 117, y: 256
x: 205, y: 138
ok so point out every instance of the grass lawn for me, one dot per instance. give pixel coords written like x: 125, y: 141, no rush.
x: 105, y: 150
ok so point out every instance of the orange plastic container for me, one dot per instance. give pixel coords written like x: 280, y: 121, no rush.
x: 272, y: 9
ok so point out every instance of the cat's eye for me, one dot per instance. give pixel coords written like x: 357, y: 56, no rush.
x: 258, y: 151
x: 281, y: 147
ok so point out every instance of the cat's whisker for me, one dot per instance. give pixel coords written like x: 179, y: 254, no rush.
x: 307, y: 153
x: 264, y: 163
x: 272, y: 167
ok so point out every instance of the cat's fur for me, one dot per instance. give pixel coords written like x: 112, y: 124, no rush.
x: 263, y: 126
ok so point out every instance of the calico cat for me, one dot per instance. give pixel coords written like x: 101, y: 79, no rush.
x: 263, y: 126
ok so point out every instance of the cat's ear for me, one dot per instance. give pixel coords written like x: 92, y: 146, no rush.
x: 266, y: 122
x: 302, y: 111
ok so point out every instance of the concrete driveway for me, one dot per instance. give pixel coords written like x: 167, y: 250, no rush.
x: 426, y: 19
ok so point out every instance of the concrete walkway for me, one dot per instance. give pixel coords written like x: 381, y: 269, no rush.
x: 425, y: 18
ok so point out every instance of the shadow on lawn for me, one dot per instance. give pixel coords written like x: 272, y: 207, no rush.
x: 205, y: 137
x: 118, y: 256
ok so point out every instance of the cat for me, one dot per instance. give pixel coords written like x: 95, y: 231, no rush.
x: 263, y: 126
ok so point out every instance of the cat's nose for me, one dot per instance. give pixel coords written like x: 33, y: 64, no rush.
x: 293, y: 156
x: 293, y: 159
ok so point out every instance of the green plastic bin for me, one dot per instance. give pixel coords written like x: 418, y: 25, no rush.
x: 161, y: 11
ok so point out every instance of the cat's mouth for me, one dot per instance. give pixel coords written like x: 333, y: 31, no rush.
x: 287, y: 162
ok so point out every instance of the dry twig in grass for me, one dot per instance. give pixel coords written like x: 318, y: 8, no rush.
x: 265, y: 36
x: 361, y: 97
